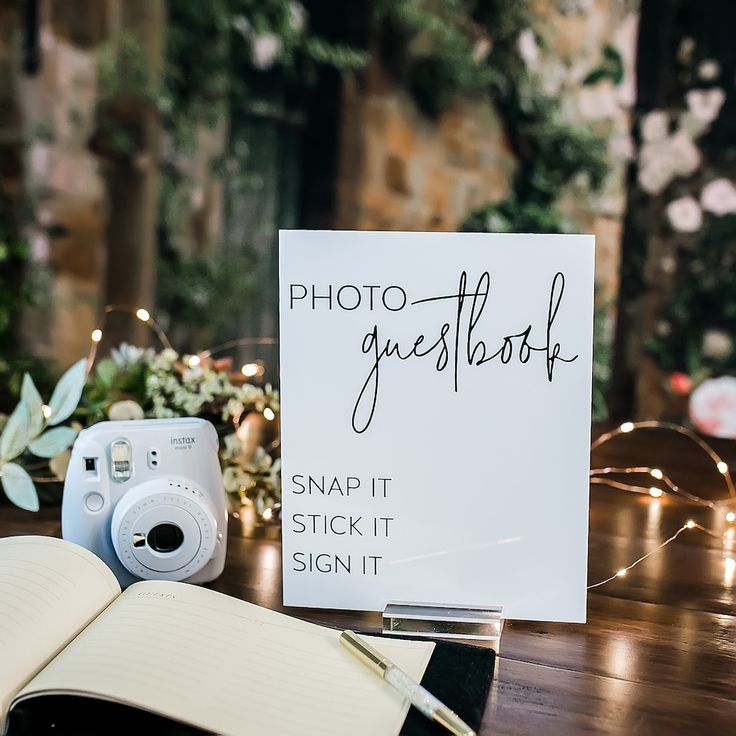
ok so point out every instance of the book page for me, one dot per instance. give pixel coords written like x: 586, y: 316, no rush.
x: 49, y: 591
x: 230, y: 667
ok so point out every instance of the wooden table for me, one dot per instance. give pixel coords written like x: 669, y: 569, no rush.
x: 658, y: 654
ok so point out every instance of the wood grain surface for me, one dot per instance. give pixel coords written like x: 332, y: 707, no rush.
x: 658, y: 654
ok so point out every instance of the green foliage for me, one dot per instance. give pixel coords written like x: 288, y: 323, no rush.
x: 112, y: 380
x: 26, y: 431
x: 199, y: 292
x: 223, y: 58
x: 442, y: 43
x: 233, y: 31
x: 13, y: 253
x: 612, y: 67
x: 704, y: 299
x: 511, y: 216
x: 602, y: 358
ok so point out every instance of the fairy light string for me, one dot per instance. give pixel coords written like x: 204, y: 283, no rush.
x: 598, y: 476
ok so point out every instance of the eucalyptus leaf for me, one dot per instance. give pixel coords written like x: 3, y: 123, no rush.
x: 53, y: 441
x: 29, y: 394
x: 18, y: 486
x: 15, y: 434
x: 106, y: 370
x: 67, y: 393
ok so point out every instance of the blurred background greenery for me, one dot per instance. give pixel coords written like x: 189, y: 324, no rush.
x: 151, y: 149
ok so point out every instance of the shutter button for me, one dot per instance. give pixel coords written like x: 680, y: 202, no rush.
x: 94, y: 502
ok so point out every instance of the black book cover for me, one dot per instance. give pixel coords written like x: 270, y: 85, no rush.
x: 458, y: 674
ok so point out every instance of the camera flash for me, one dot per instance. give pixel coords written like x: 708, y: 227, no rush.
x: 122, y: 460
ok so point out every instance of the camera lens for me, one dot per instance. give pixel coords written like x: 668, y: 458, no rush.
x: 165, y: 538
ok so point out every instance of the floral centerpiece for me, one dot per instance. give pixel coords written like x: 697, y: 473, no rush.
x: 137, y: 383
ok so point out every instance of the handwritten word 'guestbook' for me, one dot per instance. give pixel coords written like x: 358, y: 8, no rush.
x: 436, y: 419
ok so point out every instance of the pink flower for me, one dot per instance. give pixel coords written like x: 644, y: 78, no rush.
x: 713, y: 407
x: 705, y: 104
x: 685, y: 215
x: 719, y: 197
x: 681, y: 383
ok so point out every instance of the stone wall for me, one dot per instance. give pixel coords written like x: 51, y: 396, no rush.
x: 92, y: 209
x: 67, y: 193
x: 401, y: 171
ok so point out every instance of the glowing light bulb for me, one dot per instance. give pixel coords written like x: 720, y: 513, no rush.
x: 730, y: 517
x: 96, y: 335
x: 193, y: 361
x: 655, y: 492
x: 267, y: 513
x: 689, y: 524
x: 656, y: 473
x: 722, y: 467
x: 268, y: 413
x: 621, y: 573
x: 46, y: 410
x: 249, y: 370
x: 142, y: 314
x: 627, y: 426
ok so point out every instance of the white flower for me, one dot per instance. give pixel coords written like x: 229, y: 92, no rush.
x: 655, y: 169
x: 265, y: 49
x: 528, y: 49
x: 233, y: 408
x: 169, y: 355
x: 232, y: 446
x: 297, y: 16
x: 122, y: 410
x: 126, y: 354
x: 685, y: 214
x: 661, y: 160
x: 717, y: 344
x: 685, y: 154
x: 241, y: 25
x: 709, y: 69
x: 654, y: 126
x: 705, y: 104
x: 713, y: 407
x: 719, y: 197
x: 233, y: 478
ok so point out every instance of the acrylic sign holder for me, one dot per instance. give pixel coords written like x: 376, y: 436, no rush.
x: 432, y: 620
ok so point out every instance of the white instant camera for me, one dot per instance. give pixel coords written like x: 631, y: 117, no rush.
x: 147, y: 497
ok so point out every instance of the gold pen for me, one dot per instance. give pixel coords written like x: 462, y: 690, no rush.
x: 420, y: 698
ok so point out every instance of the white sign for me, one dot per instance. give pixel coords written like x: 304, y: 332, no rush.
x: 436, y: 396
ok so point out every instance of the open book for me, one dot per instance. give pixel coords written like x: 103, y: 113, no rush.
x: 181, y: 651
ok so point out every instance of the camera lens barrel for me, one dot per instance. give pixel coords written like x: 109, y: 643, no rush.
x: 164, y: 529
